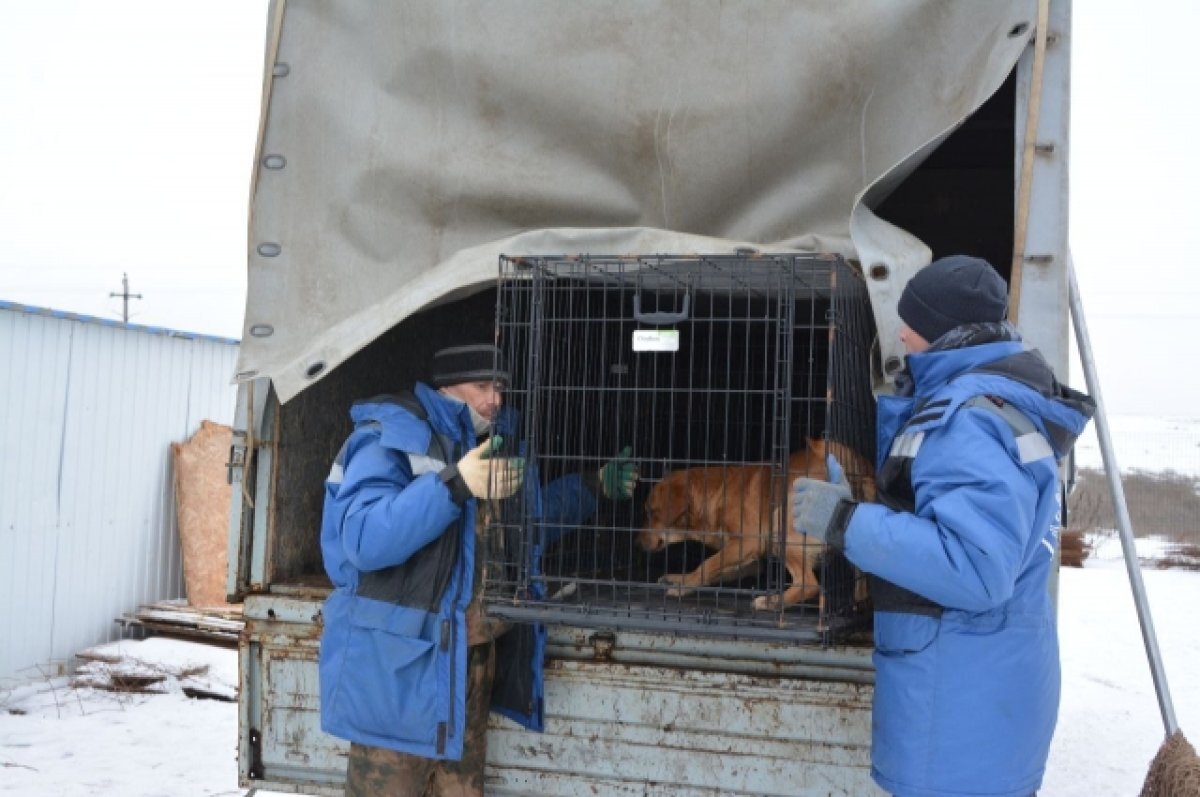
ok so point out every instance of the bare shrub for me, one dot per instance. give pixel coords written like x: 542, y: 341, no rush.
x: 1165, y: 504
x: 1073, y: 548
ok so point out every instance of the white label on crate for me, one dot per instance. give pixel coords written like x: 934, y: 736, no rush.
x: 656, y: 340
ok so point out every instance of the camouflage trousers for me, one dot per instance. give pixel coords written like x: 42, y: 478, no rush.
x: 377, y: 771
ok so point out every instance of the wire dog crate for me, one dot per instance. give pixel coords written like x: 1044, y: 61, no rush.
x: 728, y: 376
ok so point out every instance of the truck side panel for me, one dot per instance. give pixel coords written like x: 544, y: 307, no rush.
x: 627, y: 729
x: 621, y: 718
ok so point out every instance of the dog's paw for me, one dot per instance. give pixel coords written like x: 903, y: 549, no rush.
x: 678, y: 588
x: 768, y: 603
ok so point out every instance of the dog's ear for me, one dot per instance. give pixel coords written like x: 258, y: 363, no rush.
x: 666, y: 503
x: 676, y: 503
x: 815, y: 466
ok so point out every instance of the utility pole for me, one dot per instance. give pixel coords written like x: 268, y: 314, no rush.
x: 125, y: 297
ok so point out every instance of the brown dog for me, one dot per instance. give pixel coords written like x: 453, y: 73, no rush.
x: 728, y: 508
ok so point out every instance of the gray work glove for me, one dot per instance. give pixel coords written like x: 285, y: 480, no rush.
x: 822, y: 509
x: 479, y: 475
x: 619, y: 476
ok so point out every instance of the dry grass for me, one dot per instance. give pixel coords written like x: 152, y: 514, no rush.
x: 1074, y: 548
x: 1162, y: 504
x: 1181, y: 557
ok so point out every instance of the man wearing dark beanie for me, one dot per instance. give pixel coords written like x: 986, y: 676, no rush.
x: 953, y: 291
x: 961, y: 546
x: 408, y: 656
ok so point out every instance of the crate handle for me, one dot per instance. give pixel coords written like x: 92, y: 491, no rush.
x: 659, y: 319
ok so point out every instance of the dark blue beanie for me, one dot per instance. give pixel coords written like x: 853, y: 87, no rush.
x: 479, y: 362
x: 950, y: 292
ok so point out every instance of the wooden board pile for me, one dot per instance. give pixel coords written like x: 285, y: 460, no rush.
x: 157, y: 666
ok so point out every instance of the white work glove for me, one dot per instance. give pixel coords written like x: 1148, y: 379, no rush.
x: 822, y: 509
x: 479, y: 475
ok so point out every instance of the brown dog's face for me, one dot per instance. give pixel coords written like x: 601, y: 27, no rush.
x: 666, y: 513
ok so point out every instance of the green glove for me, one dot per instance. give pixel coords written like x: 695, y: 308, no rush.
x: 619, y: 476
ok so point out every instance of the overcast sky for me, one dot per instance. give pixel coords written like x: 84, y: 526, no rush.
x: 127, y: 133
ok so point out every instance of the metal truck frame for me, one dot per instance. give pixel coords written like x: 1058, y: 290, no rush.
x: 628, y: 712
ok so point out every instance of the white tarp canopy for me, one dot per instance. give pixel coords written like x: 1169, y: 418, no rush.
x: 405, y: 145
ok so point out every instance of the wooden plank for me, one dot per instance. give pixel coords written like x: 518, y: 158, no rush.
x: 178, y: 619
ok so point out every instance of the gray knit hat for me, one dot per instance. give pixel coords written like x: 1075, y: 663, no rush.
x: 950, y: 292
x: 476, y: 362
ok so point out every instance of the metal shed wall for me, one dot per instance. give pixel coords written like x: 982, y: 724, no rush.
x: 88, y: 410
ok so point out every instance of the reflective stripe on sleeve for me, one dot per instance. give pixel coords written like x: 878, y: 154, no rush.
x: 423, y: 464
x: 906, y: 445
x: 1033, y: 446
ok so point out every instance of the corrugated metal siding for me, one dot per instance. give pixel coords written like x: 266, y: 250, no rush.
x: 87, y: 523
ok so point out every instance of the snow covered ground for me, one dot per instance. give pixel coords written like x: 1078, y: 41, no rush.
x: 55, y: 740
x: 1109, y: 726
x: 58, y: 740
x: 1145, y: 443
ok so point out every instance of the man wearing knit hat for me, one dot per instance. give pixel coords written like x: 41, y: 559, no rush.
x: 408, y: 657
x: 961, y: 546
x: 952, y: 292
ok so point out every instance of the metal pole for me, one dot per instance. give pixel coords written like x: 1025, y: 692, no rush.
x: 125, y: 297
x: 1124, y: 526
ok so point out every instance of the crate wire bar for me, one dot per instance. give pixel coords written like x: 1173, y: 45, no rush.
x: 738, y: 361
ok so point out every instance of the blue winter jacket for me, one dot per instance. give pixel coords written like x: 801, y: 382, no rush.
x: 401, y: 555
x: 966, y: 647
